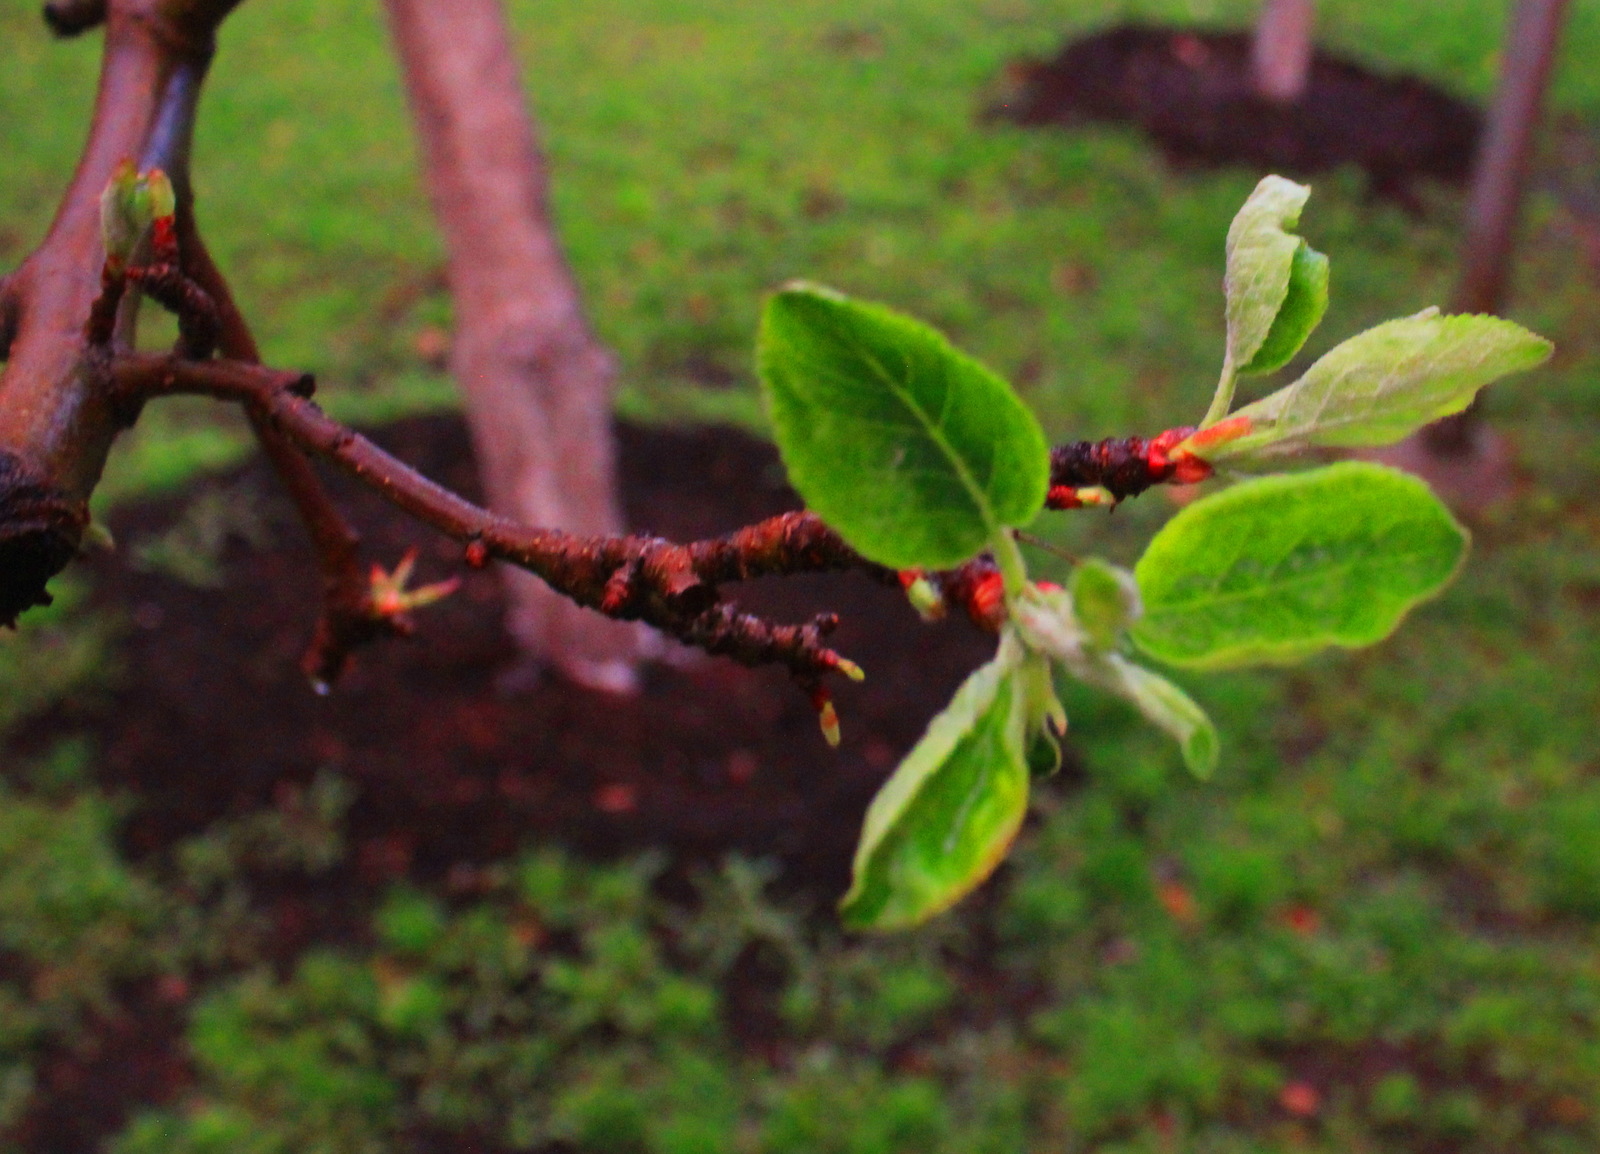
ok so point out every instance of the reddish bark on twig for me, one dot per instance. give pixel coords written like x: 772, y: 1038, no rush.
x: 1122, y: 466
x: 635, y: 578
x: 57, y: 417
x: 348, y: 618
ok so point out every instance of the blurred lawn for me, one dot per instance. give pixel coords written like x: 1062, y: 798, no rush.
x: 1391, y: 893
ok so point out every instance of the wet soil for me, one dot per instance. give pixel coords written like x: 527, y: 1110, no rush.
x: 1191, y: 92
x: 457, y: 759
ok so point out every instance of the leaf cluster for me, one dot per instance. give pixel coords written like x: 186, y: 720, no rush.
x: 921, y: 458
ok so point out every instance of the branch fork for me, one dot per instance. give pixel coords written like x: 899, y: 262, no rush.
x: 74, y: 381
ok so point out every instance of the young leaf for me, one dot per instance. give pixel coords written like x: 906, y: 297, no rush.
x: 1049, y: 622
x: 942, y: 823
x: 913, y: 451
x: 1302, y: 310
x: 163, y: 197
x: 1277, y: 568
x: 1171, y: 709
x: 123, y: 212
x: 1046, y: 717
x: 1276, y: 287
x: 1386, y: 383
x: 1105, y: 600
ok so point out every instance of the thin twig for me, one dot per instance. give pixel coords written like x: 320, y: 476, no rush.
x: 348, y: 618
x: 1121, y: 466
x: 636, y: 578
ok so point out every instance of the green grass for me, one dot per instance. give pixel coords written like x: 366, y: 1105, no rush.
x: 703, y: 153
x: 1390, y: 892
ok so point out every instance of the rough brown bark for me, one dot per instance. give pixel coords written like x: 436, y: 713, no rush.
x: 1533, y: 35
x: 1281, y: 53
x: 536, y: 383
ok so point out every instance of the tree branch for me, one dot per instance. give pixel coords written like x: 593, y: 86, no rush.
x: 635, y: 578
x: 670, y: 586
x: 1119, y: 468
x: 348, y: 618
x: 57, y: 419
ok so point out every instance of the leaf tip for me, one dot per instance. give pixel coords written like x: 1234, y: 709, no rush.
x: 808, y: 288
x: 1201, y: 753
x: 828, y: 719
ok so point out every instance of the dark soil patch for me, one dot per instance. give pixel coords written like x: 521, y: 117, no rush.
x: 1191, y: 91
x: 122, y: 1062
x: 212, y: 715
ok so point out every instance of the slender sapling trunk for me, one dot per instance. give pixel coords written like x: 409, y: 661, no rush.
x: 1280, y: 56
x: 536, y: 383
x: 1499, y: 178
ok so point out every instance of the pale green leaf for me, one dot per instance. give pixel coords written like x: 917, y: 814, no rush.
x: 1105, y: 600
x: 916, y: 453
x: 1046, y: 717
x: 1049, y: 622
x: 947, y: 816
x: 1276, y: 287
x: 1261, y: 254
x: 1277, y: 568
x: 1386, y: 383
x: 1171, y: 709
x: 1301, y: 312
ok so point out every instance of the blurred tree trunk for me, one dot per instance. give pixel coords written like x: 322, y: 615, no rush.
x: 1499, y: 177
x: 1281, y: 53
x: 536, y: 383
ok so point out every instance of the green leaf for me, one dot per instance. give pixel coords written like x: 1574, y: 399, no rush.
x: 1301, y: 312
x: 1105, y: 600
x: 1386, y: 383
x: 1169, y: 708
x: 916, y: 453
x: 1043, y: 754
x: 124, y: 212
x: 945, y: 819
x: 1046, y: 717
x: 1277, y: 568
x: 1276, y: 287
x: 1261, y: 254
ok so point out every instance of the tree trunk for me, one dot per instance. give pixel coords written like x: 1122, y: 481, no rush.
x: 536, y: 384
x: 1281, y: 54
x: 1499, y: 177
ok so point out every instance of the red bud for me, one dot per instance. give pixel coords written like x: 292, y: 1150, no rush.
x: 987, y: 602
x: 1062, y: 497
